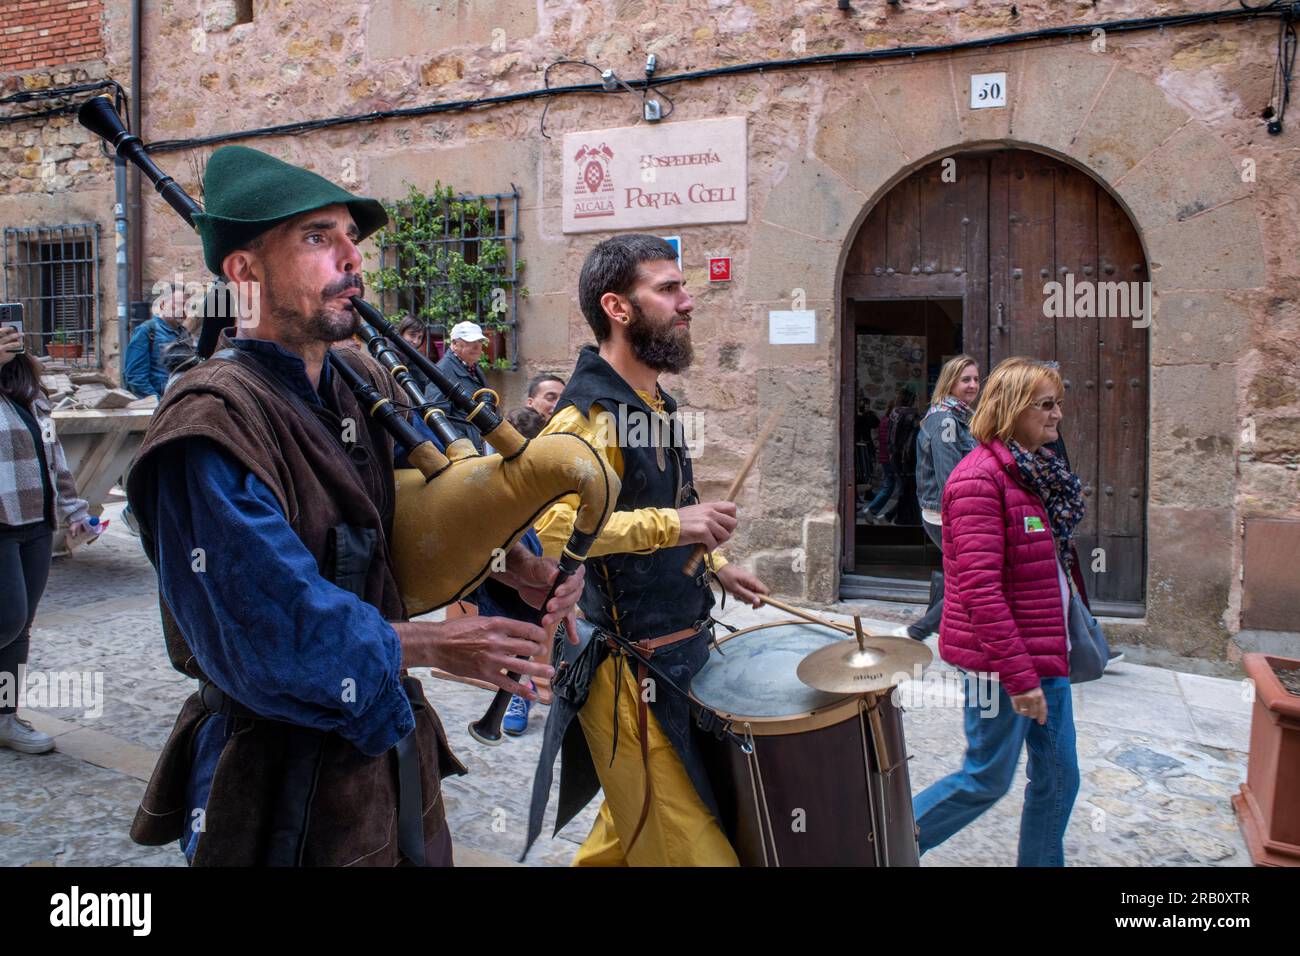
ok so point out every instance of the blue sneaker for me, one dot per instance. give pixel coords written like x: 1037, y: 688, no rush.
x: 516, y: 721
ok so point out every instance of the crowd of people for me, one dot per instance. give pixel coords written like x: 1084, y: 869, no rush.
x: 279, y: 767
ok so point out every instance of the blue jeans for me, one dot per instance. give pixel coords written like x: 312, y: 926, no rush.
x: 886, y: 490
x: 993, y: 744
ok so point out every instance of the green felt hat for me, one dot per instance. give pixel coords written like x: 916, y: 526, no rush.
x: 246, y: 192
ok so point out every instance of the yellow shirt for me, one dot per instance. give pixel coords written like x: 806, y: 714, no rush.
x: 640, y: 531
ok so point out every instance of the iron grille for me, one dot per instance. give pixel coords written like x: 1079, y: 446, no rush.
x: 466, y: 237
x: 54, y: 272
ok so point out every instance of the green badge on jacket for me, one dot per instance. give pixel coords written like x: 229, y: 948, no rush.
x: 1033, y: 523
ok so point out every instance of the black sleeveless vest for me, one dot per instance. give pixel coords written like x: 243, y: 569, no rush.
x: 640, y: 596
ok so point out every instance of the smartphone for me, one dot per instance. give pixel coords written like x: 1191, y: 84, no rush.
x: 11, y: 315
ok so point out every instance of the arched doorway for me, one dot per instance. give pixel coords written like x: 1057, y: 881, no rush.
x: 998, y: 253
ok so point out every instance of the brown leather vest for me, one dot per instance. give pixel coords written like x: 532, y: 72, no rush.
x: 298, y: 453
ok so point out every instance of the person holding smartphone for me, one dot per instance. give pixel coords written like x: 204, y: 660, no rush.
x: 36, y: 491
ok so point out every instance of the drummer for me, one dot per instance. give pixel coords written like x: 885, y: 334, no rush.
x: 659, y: 809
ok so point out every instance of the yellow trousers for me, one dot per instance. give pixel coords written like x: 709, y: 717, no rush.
x: 679, y: 830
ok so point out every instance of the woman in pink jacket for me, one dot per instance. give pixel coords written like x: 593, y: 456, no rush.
x: 1009, y: 512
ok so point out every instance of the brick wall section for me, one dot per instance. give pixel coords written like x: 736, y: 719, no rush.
x: 44, y: 33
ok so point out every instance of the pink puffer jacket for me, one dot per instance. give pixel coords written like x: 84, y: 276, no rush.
x: 1002, y: 609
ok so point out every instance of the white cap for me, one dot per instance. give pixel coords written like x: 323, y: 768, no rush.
x: 467, y: 332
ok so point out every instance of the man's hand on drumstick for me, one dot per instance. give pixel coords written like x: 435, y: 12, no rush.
x: 741, y: 584
x: 709, y: 523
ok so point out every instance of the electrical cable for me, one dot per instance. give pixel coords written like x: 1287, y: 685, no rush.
x: 1242, y: 12
x: 1280, y: 93
x: 28, y: 96
x: 546, y: 85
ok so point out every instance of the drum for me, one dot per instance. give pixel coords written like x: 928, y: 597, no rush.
x: 826, y: 781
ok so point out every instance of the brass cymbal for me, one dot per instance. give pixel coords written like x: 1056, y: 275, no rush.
x: 863, y: 664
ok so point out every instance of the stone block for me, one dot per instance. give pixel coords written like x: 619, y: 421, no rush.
x: 399, y: 28
x: 776, y: 569
x: 994, y: 123
x: 1054, y: 92
x: 1132, y: 116
x: 753, y: 534
x: 1193, y: 435
x: 798, y: 468
x: 1190, y: 172
x: 219, y: 15
x: 549, y: 267
x: 917, y: 102
x: 1189, y: 327
x: 1219, y: 249
x: 812, y: 199
x: 781, y: 261
x: 1268, y: 488
x: 543, y: 328
x: 1189, y: 576
x: 821, y: 555
x: 478, y: 168
x: 856, y: 143
x: 1278, y: 435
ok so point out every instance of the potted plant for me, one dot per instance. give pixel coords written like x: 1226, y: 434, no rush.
x: 1268, y: 806
x: 60, y: 348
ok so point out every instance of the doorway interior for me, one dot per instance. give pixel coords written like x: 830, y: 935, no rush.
x: 958, y: 257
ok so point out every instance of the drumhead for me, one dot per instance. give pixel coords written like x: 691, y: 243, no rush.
x: 752, y: 672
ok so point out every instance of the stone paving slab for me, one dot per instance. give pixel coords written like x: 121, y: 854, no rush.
x: 1160, y: 751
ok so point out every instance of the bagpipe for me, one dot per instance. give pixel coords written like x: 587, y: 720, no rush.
x: 457, y: 511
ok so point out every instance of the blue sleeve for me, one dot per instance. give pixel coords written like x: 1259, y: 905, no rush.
x: 137, y: 363
x: 263, y: 623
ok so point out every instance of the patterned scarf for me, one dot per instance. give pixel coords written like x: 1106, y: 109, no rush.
x: 1060, y: 490
x: 956, y: 406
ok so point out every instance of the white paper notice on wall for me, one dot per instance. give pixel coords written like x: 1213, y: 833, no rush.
x: 792, y: 327
x: 988, y: 90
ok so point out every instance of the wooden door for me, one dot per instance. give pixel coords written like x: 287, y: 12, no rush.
x: 994, y: 229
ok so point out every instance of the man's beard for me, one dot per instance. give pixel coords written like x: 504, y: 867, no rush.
x: 662, y: 348
x: 322, y: 325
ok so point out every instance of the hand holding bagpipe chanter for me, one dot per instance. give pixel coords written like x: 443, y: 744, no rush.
x: 444, y: 538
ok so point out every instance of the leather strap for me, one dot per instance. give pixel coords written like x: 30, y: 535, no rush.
x: 410, y: 820
x: 642, y: 729
x: 289, y: 819
x: 655, y: 643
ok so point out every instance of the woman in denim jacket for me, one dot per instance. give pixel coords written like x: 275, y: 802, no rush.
x: 943, y: 441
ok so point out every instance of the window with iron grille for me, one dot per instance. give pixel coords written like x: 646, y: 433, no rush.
x: 447, y: 258
x: 54, y: 272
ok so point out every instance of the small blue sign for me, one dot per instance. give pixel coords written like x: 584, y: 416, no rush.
x: 676, y: 243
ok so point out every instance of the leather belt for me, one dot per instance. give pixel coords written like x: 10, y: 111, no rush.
x: 650, y: 645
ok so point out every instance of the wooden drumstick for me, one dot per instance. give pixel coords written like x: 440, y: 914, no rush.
x: 692, y: 564
x: 806, y: 615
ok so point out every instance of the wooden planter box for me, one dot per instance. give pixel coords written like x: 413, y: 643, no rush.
x: 1268, y: 806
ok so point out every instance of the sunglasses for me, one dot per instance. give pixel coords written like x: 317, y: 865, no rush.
x: 1048, y: 404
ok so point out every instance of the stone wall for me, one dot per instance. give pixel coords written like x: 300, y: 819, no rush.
x: 1169, y: 121
x: 52, y: 171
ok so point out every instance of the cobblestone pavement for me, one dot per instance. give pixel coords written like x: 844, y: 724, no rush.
x: 1160, y: 751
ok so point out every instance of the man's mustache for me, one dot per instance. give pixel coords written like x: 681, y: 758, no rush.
x: 343, y: 285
